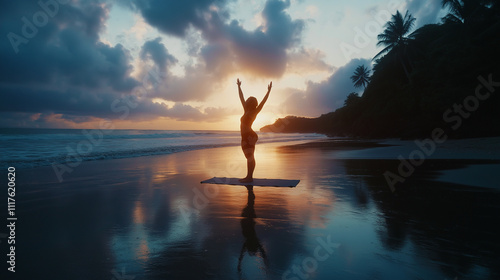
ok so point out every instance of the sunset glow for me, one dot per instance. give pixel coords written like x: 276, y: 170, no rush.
x: 173, y: 65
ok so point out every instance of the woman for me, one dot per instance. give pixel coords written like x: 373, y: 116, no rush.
x: 248, y: 136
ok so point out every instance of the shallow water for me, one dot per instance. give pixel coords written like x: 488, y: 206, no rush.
x: 150, y: 218
x: 34, y: 147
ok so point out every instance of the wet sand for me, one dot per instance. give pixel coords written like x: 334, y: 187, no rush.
x: 150, y: 218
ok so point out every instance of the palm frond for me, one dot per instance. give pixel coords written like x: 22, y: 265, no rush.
x: 361, y: 76
x: 382, y: 52
x: 395, y: 34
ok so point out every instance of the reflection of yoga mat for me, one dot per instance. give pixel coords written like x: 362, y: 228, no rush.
x: 255, y: 182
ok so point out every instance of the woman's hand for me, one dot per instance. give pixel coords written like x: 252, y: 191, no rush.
x: 269, y: 86
x: 238, y: 82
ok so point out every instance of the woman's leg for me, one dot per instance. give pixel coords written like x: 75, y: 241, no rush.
x: 250, y: 166
x: 249, y: 150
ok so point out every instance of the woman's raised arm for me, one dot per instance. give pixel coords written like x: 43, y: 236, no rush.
x: 261, y: 105
x: 242, y: 99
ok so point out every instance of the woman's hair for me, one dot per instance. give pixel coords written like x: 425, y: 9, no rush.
x: 251, y: 103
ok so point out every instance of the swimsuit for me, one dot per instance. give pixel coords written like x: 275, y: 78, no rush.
x: 248, y: 136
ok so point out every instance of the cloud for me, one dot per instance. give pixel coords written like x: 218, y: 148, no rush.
x: 188, y: 113
x: 73, y: 101
x: 229, y: 48
x: 157, y: 52
x: 215, y: 58
x: 261, y: 52
x: 426, y: 12
x: 196, y: 85
x: 60, y: 66
x: 39, y: 120
x: 175, y: 17
x: 62, y: 75
x: 307, y: 61
x: 326, y: 96
x: 62, y: 72
x: 78, y: 106
x: 65, y: 51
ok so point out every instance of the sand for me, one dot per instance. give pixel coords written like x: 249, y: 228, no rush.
x: 150, y: 218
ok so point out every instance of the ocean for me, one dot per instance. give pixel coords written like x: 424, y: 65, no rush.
x: 32, y: 147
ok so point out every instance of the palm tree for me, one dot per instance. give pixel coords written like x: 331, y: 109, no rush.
x: 361, y: 76
x: 464, y: 11
x: 396, y: 38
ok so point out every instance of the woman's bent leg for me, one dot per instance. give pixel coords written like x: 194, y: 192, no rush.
x: 249, y: 150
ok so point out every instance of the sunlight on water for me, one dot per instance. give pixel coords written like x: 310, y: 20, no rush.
x: 153, y: 218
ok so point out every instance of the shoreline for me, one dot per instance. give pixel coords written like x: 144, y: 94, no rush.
x: 49, y: 169
x: 71, y: 154
x: 326, y: 142
x: 341, y: 149
x: 151, y: 216
x: 348, y: 148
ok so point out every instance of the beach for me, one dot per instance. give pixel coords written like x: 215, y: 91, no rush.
x: 149, y: 217
x: 267, y: 139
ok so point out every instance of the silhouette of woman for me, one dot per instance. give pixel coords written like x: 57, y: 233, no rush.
x: 248, y: 136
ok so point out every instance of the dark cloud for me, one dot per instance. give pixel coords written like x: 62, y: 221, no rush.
x: 74, y: 102
x: 40, y: 120
x: 175, y: 17
x: 74, y: 106
x: 63, y: 52
x: 326, y: 96
x: 58, y: 73
x: 156, y: 51
x: 215, y: 58
x: 229, y: 46
x: 263, y: 51
x: 56, y: 69
x: 279, y: 25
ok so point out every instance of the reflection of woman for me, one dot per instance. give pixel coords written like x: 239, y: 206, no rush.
x: 248, y: 136
x: 252, y: 244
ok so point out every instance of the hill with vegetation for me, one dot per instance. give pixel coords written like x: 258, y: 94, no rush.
x: 440, y: 76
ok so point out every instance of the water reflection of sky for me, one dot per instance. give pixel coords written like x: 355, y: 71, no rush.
x: 155, y: 221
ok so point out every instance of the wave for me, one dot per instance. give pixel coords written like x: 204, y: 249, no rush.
x: 104, y: 134
x: 77, y: 157
x: 27, y: 149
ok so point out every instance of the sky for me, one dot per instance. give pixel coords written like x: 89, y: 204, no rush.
x: 161, y: 64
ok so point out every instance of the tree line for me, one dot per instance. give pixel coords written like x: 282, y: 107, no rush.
x: 419, y: 76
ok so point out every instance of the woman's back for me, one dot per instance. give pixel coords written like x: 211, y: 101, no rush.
x: 247, y: 120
